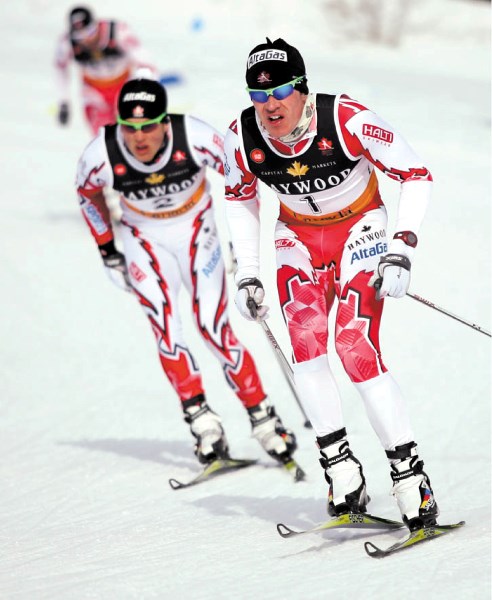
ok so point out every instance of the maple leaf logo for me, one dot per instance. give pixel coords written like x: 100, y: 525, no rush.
x: 296, y: 170
x: 155, y: 178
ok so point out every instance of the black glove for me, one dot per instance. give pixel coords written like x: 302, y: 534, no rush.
x: 115, y: 266
x: 63, y: 113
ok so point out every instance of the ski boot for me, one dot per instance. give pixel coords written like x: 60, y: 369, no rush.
x: 206, y: 427
x: 343, y: 472
x: 279, y: 442
x: 412, y: 488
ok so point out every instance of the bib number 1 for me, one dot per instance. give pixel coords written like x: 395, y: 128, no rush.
x: 312, y: 204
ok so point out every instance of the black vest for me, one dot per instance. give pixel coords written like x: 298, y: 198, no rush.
x: 322, y: 166
x: 85, y: 56
x: 174, y: 177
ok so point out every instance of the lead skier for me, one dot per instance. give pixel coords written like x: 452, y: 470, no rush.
x: 318, y: 153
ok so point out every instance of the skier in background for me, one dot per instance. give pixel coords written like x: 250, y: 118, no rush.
x: 107, y: 54
x: 317, y: 152
x: 157, y: 162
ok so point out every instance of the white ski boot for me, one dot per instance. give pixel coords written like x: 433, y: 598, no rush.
x: 343, y: 472
x: 206, y: 427
x: 412, y: 488
x: 278, y: 441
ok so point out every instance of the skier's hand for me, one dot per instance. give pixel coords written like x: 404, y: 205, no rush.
x: 250, y: 295
x: 63, y: 113
x: 115, y: 266
x: 392, y: 277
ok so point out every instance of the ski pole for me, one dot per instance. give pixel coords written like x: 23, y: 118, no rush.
x: 282, y: 361
x: 449, y: 314
x: 286, y: 368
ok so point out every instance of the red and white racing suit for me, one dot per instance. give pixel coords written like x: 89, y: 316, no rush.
x: 330, y: 235
x: 103, y: 69
x: 170, y: 238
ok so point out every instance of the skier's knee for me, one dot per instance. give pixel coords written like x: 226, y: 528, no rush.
x: 360, y: 359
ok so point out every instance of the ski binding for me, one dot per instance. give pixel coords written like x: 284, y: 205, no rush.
x: 347, y: 521
x: 414, y: 537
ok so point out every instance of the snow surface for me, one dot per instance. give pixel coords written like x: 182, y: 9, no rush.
x: 90, y: 429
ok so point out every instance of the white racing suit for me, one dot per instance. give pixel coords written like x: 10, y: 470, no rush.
x: 170, y: 239
x: 330, y: 235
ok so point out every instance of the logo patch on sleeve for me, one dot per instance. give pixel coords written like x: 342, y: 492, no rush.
x: 377, y: 133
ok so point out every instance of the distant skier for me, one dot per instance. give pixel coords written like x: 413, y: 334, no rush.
x: 107, y: 54
x: 317, y: 152
x: 158, y: 162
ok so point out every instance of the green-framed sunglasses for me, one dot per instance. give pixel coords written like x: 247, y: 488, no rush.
x: 145, y: 127
x: 279, y: 93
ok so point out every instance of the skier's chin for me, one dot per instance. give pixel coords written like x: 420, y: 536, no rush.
x: 277, y: 127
